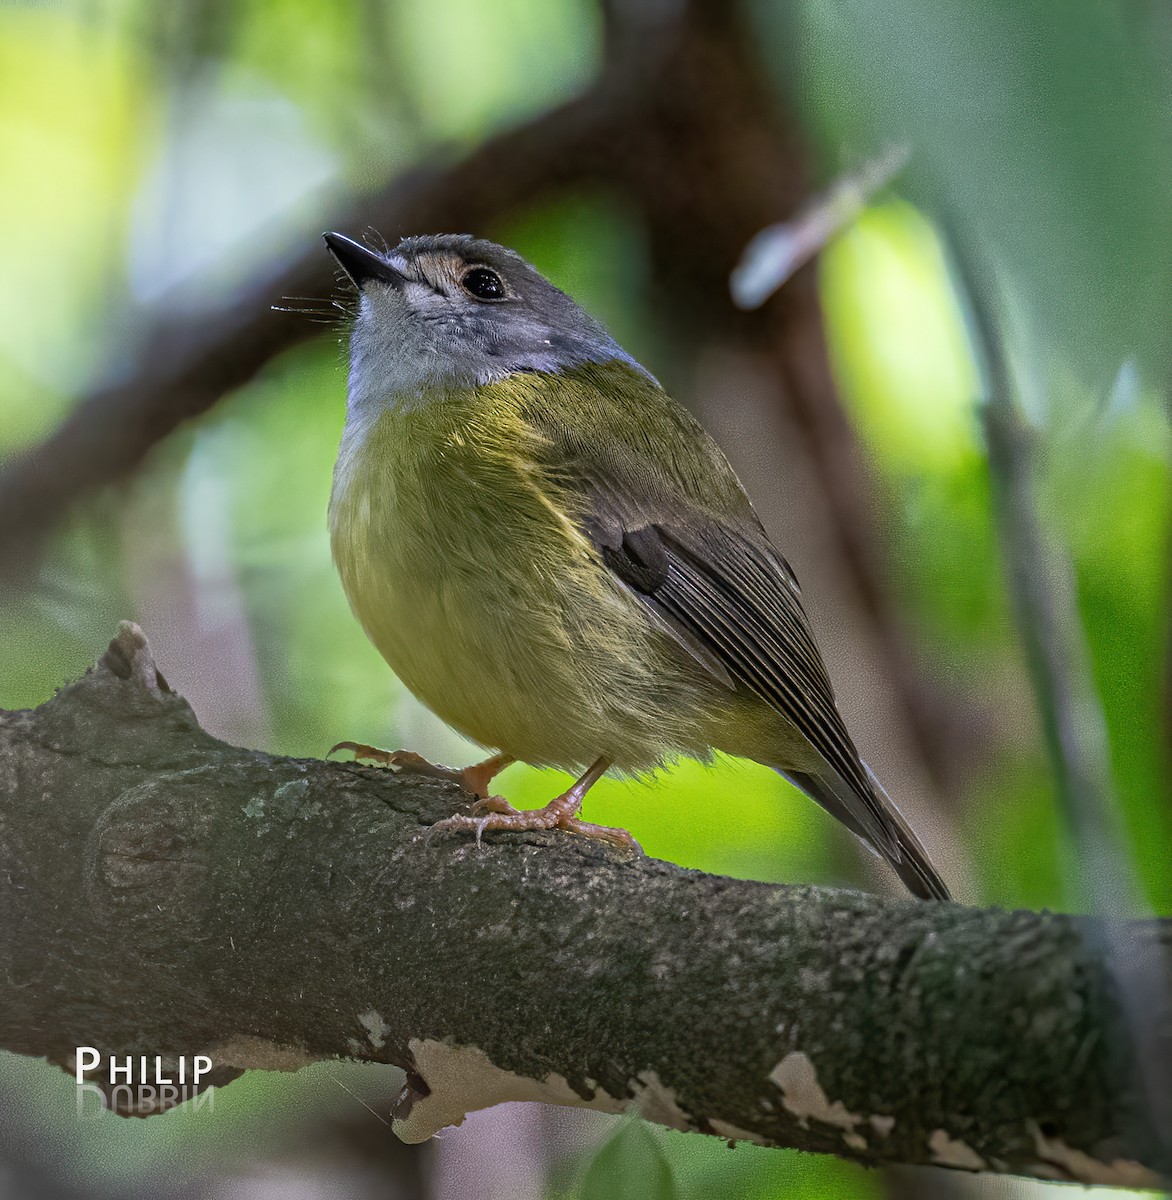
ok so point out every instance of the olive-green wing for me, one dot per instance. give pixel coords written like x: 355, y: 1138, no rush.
x: 728, y: 591
x: 668, y: 517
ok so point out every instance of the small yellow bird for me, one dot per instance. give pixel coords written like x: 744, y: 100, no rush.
x: 554, y: 556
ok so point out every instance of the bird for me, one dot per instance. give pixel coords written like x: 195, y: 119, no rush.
x: 557, y: 559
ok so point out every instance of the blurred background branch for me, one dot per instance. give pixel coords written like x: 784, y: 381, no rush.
x: 1102, y: 876
x: 184, y: 367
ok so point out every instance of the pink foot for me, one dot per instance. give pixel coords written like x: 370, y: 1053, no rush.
x: 475, y: 780
x: 559, y: 813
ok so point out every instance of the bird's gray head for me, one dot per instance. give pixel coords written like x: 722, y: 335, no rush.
x: 448, y: 311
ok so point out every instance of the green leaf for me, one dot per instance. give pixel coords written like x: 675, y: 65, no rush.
x: 631, y: 1166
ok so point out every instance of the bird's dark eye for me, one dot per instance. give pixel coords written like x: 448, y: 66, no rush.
x: 483, y: 284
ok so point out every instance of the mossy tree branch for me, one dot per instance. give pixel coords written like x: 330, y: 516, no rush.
x: 166, y: 893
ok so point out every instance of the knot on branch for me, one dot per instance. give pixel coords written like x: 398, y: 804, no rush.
x: 147, y: 859
x: 264, y: 912
x: 128, y: 656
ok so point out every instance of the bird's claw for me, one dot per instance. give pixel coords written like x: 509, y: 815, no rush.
x: 403, y: 760
x: 492, y: 804
x: 474, y: 779
x: 502, y: 817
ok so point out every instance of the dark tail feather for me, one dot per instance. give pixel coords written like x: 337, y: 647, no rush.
x: 914, y: 866
x: 919, y: 876
x: 900, y: 847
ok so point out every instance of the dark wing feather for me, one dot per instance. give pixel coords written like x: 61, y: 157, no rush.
x: 718, y: 584
x: 734, y: 596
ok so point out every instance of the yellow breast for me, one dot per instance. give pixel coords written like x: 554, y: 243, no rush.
x: 489, y: 603
x: 476, y: 591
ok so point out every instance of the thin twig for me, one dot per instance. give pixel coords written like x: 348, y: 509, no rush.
x: 779, y: 250
x: 1042, y: 590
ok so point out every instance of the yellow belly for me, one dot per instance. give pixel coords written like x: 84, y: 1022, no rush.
x: 493, y: 609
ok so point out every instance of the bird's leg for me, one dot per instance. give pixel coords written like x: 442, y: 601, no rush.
x: 477, y: 778
x: 474, y: 779
x: 560, y: 813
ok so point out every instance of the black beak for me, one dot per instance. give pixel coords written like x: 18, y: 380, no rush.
x: 361, y: 263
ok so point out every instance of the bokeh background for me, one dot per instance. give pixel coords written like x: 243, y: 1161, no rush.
x: 167, y: 439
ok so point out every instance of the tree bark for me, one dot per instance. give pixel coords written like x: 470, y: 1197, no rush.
x: 165, y: 893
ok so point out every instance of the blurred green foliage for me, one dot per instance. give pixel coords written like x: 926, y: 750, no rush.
x: 1045, y: 138
x: 630, y: 1166
x: 161, y: 153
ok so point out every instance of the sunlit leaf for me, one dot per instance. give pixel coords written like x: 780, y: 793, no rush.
x: 74, y: 115
x: 631, y: 1166
x: 470, y: 65
x: 896, y: 334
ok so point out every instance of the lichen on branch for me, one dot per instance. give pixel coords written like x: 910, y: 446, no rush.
x: 164, y: 892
